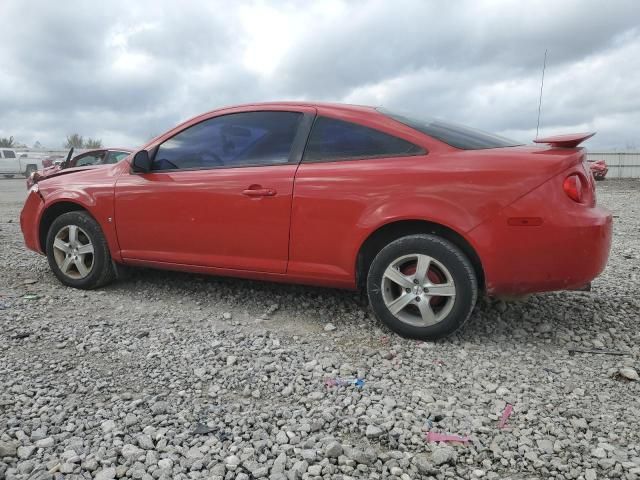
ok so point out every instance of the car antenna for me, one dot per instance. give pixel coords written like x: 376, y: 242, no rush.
x: 544, y: 66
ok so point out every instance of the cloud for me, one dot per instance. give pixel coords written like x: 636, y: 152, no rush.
x: 129, y: 70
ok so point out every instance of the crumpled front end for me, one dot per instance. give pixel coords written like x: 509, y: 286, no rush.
x: 30, y: 219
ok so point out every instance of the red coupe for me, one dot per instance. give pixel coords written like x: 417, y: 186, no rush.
x: 421, y: 214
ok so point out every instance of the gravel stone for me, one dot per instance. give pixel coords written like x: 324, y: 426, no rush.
x: 131, y: 452
x: 232, y: 462
x: 315, y: 470
x: 106, y: 474
x: 159, y: 408
x: 373, y: 431
x: 45, y: 443
x: 545, y: 445
x: 25, y: 452
x: 423, y: 463
x: 629, y: 373
x: 144, y: 441
x: 108, y: 426
x: 365, y: 456
x: 442, y: 455
x: 333, y: 450
x: 282, y: 437
x: 8, y: 449
x: 130, y: 420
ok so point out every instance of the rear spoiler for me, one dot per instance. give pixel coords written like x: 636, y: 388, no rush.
x: 570, y: 140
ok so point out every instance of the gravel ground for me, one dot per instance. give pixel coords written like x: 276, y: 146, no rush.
x: 170, y: 375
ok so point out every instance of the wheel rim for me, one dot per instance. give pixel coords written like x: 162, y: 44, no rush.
x: 418, y: 290
x: 73, y: 252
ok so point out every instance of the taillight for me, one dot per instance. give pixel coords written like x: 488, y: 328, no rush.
x: 573, y: 187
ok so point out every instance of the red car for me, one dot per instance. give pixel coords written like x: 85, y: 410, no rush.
x: 51, y: 160
x: 421, y: 214
x: 598, y: 168
x: 92, y: 158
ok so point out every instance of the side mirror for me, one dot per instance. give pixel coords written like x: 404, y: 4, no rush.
x: 141, y: 162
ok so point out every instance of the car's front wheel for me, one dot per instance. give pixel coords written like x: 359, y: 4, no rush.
x: 422, y: 286
x: 77, y: 251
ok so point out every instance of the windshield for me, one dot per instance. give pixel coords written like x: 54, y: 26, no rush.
x: 452, y: 134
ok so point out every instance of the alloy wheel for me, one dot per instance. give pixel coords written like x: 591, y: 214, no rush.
x: 73, y: 252
x: 418, y: 290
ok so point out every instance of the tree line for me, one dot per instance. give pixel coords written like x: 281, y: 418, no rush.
x: 75, y: 140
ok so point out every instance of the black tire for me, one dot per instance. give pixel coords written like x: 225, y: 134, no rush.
x: 456, y: 309
x: 101, y: 271
x: 30, y: 169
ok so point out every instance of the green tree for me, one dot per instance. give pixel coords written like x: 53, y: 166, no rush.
x: 93, y: 143
x: 7, y: 142
x: 37, y: 145
x: 74, y: 140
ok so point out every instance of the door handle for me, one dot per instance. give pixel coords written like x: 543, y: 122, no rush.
x: 258, y: 191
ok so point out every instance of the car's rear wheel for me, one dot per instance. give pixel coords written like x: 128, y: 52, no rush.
x: 77, y: 251
x: 422, y: 286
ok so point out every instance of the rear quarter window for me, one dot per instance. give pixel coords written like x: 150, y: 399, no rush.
x: 9, y: 154
x: 333, y: 139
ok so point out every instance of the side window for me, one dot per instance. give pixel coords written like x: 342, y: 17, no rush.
x: 332, y: 139
x: 115, y: 157
x: 233, y: 140
x: 9, y: 154
x: 91, y: 159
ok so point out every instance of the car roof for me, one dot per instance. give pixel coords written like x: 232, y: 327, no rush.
x: 325, y: 105
x: 110, y: 149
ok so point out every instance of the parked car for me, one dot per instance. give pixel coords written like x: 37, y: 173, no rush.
x: 52, y: 159
x: 420, y: 214
x: 12, y: 164
x: 598, y: 168
x: 92, y: 158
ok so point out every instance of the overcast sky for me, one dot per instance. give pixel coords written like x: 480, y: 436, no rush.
x: 124, y: 71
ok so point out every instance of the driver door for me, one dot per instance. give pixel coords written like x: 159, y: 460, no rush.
x: 219, y: 194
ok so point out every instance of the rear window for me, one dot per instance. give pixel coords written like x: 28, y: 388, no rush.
x: 9, y: 154
x: 333, y: 139
x: 452, y: 134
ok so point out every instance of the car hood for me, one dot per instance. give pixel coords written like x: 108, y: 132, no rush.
x: 80, y: 177
x: 67, y: 171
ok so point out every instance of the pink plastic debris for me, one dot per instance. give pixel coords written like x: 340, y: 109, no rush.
x: 508, y: 410
x: 433, y: 437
